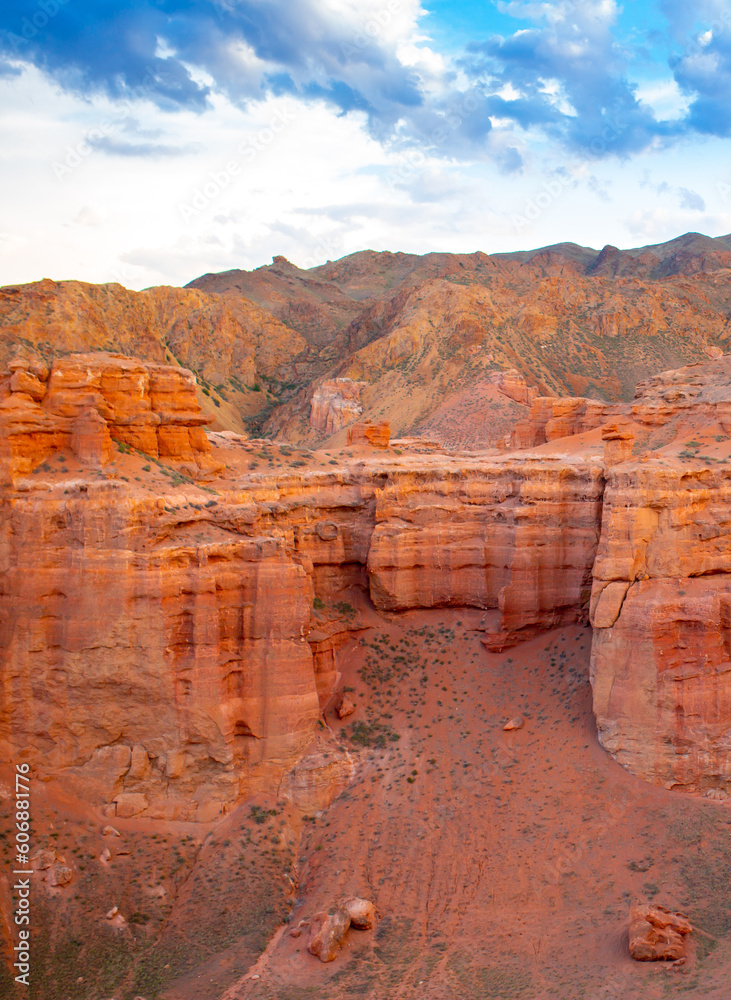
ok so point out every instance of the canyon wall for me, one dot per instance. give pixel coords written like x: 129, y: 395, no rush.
x: 159, y: 674
x: 516, y: 537
x: 162, y: 649
x: 661, y: 611
x: 661, y: 656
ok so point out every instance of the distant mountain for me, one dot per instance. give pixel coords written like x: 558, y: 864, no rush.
x: 428, y: 335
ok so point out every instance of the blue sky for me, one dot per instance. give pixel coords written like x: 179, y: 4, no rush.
x: 149, y: 141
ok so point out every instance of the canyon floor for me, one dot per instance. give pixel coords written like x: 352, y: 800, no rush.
x: 502, y: 863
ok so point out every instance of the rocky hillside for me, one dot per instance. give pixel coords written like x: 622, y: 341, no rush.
x: 429, y: 337
x: 242, y: 355
x: 429, y: 334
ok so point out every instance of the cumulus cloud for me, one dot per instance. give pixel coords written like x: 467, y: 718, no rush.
x: 565, y: 75
x: 701, y: 62
x: 570, y: 74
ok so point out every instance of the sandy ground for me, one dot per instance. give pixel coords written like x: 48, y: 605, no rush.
x: 502, y: 864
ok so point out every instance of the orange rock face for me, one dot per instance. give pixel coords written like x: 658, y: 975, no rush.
x: 657, y: 935
x: 551, y: 418
x: 168, y: 669
x: 375, y: 435
x: 161, y: 651
x: 335, y: 404
x: 518, y: 539
x: 660, y: 601
x: 660, y: 661
x: 89, y: 399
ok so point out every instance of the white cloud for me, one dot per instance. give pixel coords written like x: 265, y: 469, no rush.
x: 664, y: 97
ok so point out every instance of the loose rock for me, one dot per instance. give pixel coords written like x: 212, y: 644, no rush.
x: 362, y: 913
x: 517, y: 723
x: 346, y: 708
x: 657, y: 934
x: 328, y: 941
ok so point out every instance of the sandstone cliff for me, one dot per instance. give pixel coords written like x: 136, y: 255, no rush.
x: 163, y: 647
x: 661, y: 661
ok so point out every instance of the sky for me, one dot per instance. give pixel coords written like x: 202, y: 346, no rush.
x: 150, y: 141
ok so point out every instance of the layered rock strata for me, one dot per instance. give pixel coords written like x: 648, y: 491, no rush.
x: 335, y: 404
x: 515, y: 537
x: 86, y: 400
x: 661, y: 655
x: 164, y: 649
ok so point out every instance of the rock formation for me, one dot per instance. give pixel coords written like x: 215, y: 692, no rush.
x: 661, y: 665
x: 86, y: 400
x: 375, y: 435
x: 457, y: 346
x: 162, y: 644
x: 329, y: 930
x: 657, y: 935
x: 327, y: 941
x: 515, y: 537
x: 335, y: 404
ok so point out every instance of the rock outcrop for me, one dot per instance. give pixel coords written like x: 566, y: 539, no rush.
x: 513, y: 385
x: 86, y: 400
x: 550, y: 418
x: 661, y: 657
x: 374, y: 435
x: 657, y: 935
x: 335, y: 404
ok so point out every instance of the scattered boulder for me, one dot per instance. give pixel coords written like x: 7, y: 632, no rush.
x: 512, y: 724
x: 656, y: 934
x: 362, y: 913
x: 328, y: 940
x: 329, y: 929
x: 43, y: 859
x: 59, y: 875
x: 116, y: 919
x: 345, y: 708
